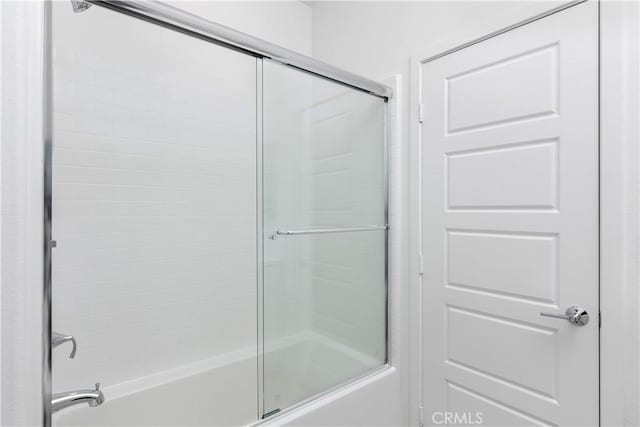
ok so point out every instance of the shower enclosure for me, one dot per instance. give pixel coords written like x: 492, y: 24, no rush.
x: 219, y: 221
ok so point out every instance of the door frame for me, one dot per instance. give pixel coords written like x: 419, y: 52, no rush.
x: 619, y: 181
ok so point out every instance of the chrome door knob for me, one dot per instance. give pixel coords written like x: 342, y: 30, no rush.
x: 574, y: 314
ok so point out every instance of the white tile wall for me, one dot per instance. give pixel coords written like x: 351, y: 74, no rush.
x: 154, y: 199
x: 286, y: 187
x: 346, y: 136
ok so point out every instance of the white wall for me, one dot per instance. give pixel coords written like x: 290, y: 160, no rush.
x: 286, y: 23
x: 619, y: 218
x: 21, y: 215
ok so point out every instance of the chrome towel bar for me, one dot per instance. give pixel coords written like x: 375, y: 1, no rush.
x: 330, y: 230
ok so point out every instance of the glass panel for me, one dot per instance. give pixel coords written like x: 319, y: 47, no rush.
x: 324, y: 315
x: 154, y: 214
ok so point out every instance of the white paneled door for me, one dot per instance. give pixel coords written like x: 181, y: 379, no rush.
x: 510, y: 226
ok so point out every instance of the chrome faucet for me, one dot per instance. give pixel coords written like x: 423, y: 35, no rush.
x: 57, y: 339
x: 70, y: 398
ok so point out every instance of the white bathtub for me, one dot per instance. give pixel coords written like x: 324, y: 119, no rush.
x: 224, y: 395
x: 222, y: 391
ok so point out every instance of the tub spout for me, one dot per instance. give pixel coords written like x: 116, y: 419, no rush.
x: 70, y: 398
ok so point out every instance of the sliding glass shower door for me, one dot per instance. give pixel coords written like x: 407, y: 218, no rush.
x: 220, y: 228
x: 324, y: 235
x: 154, y: 215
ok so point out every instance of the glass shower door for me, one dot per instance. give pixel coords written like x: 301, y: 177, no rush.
x: 154, y: 214
x: 324, y: 236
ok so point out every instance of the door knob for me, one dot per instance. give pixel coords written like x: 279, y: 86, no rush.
x: 574, y: 314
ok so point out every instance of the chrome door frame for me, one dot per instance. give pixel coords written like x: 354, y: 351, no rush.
x: 47, y: 242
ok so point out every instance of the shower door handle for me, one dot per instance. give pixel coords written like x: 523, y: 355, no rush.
x: 328, y: 230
